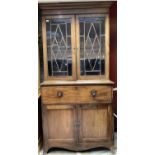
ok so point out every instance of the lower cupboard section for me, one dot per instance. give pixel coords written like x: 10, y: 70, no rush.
x: 77, y: 127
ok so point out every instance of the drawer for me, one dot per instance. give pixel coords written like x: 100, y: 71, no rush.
x: 76, y: 94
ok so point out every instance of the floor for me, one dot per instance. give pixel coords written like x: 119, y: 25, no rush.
x: 90, y: 152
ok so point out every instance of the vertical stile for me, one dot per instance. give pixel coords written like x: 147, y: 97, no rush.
x: 66, y: 47
x: 84, y: 50
x: 100, y: 48
x: 51, y: 48
x: 107, y: 46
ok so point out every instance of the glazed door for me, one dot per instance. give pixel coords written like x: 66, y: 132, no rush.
x: 92, y: 46
x: 60, y: 124
x: 94, y: 123
x: 58, y: 44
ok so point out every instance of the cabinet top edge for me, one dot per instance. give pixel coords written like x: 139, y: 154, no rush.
x: 78, y: 82
x: 47, y: 5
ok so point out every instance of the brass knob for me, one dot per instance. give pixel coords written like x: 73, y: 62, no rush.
x: 93, y: 93
x: 59, y: 93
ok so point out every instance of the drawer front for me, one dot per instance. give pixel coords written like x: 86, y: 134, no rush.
x: 76, y: 94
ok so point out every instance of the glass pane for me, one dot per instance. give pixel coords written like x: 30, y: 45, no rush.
x: 59, y: 53
x: 92, y: 46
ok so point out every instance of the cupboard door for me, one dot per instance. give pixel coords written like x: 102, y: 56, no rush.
x: 93, y: 46
x: 58, y: 45
x: 94, y: 123
x: 60, y: 124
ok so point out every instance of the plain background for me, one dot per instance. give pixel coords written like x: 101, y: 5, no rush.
x: 19, y: 77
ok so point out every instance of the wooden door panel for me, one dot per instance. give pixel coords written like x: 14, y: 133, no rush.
x: 60, y: 121
x: 94, y: 123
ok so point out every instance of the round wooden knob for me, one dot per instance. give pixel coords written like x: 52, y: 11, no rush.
x: 93, y: 93
x: 59, y: 93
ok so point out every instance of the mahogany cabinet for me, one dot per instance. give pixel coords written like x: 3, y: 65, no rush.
x: 76, y: 92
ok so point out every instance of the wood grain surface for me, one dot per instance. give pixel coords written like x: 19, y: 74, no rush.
x: 76, y: 94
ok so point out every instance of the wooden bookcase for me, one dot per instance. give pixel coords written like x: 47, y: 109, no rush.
x: 76, y: 92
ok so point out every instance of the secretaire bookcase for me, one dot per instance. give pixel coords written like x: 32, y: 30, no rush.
x: 76, y: 92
